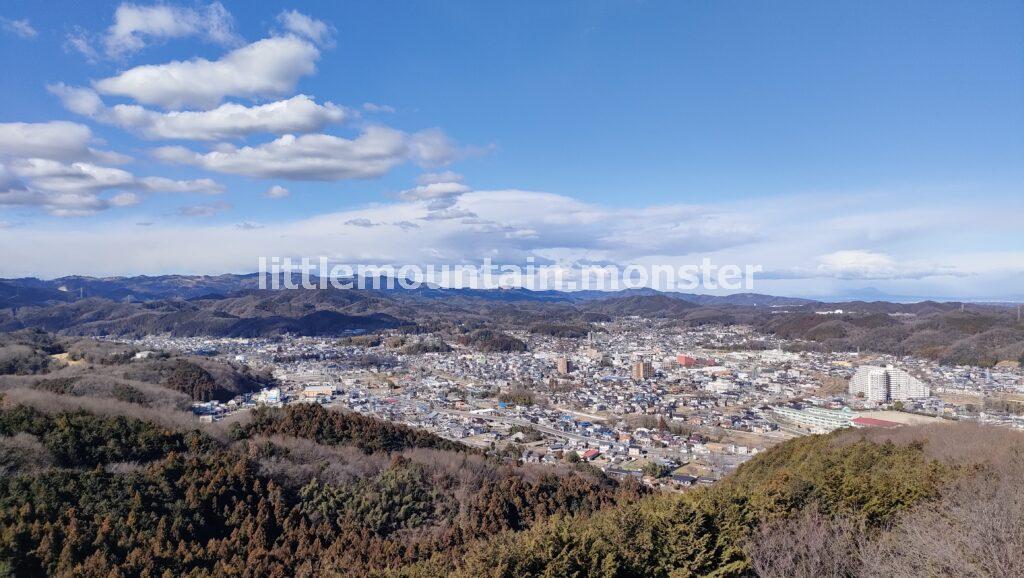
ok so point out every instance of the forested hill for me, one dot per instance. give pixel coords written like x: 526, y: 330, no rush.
x: 293, y: 492
x: 303, y: 491
x: 922, y: 501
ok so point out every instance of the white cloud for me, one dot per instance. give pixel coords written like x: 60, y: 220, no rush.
x: 378, y: 108
x: 267, y: 68
x: 79, y: 177
x: 431, y: 147
x: 277, y: 192
x: 82, y: 177
x: 444, y: 213
x: 306, y: 27
x: 78, y: 41
x: 59, y: 140
x: 164, y: 185
x: 442, y: 177
x: 298, y: 114
x: 862, y: 264
x: 134, y: 26
x: 859, y: 264
x: 51, y: 166
x: 204, y: 209
x: 83, y: 101
x: 59, y: 205
x: 433, y: 191
x: 440, y: 196
x: 361, y: 222
x: 22, y: 28
x: 510, y: 226
x: 124, y: 200
x: 319, y: 156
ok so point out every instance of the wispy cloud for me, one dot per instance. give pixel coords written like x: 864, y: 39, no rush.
x: 77, y: 40
x: 204, y: 209
x: 277, y: 192
x: 361, y: 222
x: 136, y: 27
x: 378, y: 108
x: 20, y: 28
x: 305, y: 26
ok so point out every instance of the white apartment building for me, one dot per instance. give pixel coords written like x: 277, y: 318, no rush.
x: 885, y: 384
x: 814, y: 419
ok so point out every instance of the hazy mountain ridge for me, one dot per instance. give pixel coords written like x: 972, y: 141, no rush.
x: 953, y: 333
x: 144, y: 288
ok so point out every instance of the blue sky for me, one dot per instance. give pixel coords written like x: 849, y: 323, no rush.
x: 839, y: 145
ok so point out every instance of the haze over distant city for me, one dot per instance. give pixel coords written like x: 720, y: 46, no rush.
x: 873, y: 149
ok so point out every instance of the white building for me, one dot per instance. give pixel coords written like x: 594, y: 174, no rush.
x: 814, y: 419
x: 269, y: 396
x: 884, y: 384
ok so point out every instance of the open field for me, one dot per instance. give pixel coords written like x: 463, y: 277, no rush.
x: 902, y: 417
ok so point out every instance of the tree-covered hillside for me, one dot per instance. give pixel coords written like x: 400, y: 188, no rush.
x: 303, y: 491
x: 940, y: 501
x: 102, y: 473
x: 293, y: 492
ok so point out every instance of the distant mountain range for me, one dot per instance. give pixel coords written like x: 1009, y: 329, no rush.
x: 30, y: 290
x: 233, y: 306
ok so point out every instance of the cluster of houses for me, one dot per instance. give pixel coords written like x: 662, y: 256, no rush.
x: 591, y: 391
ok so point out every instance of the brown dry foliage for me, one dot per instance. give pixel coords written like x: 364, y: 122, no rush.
x: 974, y: 528
x: 955, y: 443
x: 52, y: 403
x: 809, y: 545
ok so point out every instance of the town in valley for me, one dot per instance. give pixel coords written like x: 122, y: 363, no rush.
x: 674, y: 406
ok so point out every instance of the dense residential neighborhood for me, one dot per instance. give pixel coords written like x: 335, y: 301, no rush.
x: 708, y: 404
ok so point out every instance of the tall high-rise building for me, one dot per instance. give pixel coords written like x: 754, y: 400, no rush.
x: 885, y: 384
x: 564, y: 365
x: 642, y: 370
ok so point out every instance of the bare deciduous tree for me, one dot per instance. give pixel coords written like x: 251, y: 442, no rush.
x: 808, y: 545
x: 975, y: 529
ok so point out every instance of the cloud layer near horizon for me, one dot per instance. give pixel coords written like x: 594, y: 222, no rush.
x: 511, y: 226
